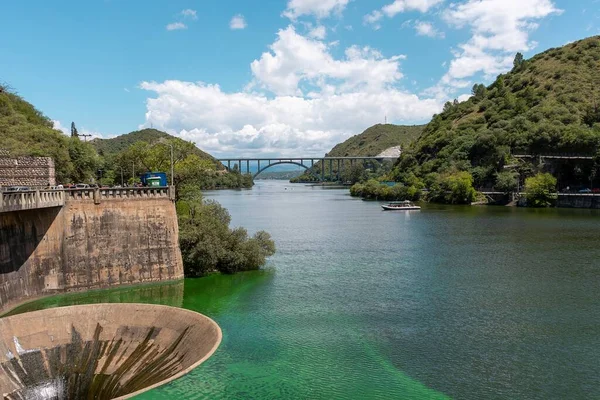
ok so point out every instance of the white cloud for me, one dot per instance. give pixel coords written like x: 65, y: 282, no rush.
x: 176, y: 26
x: 60, y: 127
x: 238, y: 22
x: 295, y: 61
x: 318, y: 8
x: 189, y: 13
x: 248, y: 123
x: 499, y: 28
x: 318, y: 101
x: 500, y: 24
x: 424, y: 28
x: 318, y: 32
x: 398, y: 6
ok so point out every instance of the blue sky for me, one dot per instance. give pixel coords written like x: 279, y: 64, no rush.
x: 271, y: 77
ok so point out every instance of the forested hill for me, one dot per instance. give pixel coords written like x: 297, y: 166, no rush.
x: 26, y: 131
x: 547, y: 104
x: 113, y: 146
x: 376, y: 139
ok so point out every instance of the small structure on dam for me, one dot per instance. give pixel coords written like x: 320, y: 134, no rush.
x: 100, y: 351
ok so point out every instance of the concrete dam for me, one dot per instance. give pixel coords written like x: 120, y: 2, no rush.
x: 74, y: 240
x: 61, y: 241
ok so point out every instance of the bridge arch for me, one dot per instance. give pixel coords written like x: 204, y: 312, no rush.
x: 282, y: 162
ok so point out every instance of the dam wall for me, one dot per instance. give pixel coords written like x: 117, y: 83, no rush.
x: 99, y: 238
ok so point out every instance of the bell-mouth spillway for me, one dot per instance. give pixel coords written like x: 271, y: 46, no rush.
x: 101, y: 351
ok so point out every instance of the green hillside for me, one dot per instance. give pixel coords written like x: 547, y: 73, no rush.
x: 546, y: 105
x: 376, y: 139
x: 113, y: 146
x: 25, y: 131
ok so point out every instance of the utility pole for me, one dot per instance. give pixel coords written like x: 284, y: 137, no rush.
x: 172, y: 175
x: 122, y: 176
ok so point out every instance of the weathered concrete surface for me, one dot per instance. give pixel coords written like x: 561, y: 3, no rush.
x: 33, y: 199
x: 100, y: 351
x: 88, y: 244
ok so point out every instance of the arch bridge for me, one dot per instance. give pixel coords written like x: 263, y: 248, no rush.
x: 255, y: 166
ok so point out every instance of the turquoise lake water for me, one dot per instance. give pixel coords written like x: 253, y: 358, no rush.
x: 447, y: 302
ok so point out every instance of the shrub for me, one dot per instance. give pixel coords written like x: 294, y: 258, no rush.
x: 455, y: 188
x: 540, y: 190
x: 506, y: 181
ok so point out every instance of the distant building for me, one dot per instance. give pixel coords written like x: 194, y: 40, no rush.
x: 26, y: 171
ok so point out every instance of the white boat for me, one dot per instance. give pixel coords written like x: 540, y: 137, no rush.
x: 400, y: 205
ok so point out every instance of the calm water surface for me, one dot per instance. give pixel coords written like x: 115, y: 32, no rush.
x: 448, y: 302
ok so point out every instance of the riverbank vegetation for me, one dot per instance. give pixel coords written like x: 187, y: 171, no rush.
x: 540, y: 190
x: 209, y: 245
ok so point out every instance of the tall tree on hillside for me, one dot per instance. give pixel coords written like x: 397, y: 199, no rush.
x: 518, y: 61
x: 74, y: 132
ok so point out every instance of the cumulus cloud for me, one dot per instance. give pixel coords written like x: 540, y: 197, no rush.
x: 424, y: 28
x: 247, y: 124
x: 499, y: 29
x: 174, y: 26
x: 296, y: 61
x: 397, y: 7
x: 303, y: 100
x: 189, y: 13
x: 318, y: 32
x: 238, y: 22
x: 317, y: 8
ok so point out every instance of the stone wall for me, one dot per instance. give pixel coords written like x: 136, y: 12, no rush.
x: 89, y: 243
x: 578, y: 200
x: 27, y: 171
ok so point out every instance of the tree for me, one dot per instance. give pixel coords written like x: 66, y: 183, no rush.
x: 84, y: 160
x: 354, y: 174
x: 453, y: 188
x: 478, y: 91
x: 209, y: 245
x: 74, y: 132
x: 518, y: 61
x: 540, y: 190
x: 506, y: 181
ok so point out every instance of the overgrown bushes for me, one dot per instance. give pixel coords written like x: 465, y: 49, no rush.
x: 540, y: 190
x: 209, y: 245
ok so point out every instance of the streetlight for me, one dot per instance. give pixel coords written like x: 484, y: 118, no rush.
x: 172, y: 174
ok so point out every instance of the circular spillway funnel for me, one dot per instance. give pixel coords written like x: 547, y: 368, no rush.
x: 101, y: 351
